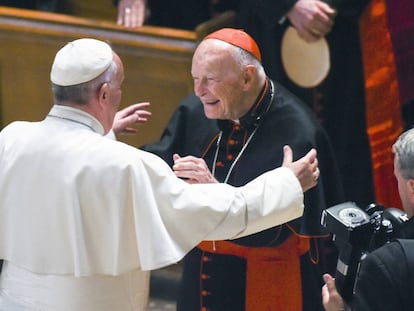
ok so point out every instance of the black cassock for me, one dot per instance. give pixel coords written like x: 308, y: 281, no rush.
x: 279, y: 119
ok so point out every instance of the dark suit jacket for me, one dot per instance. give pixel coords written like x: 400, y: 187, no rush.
x: 386, y: 278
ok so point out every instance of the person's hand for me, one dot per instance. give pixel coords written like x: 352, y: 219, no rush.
x: 312, y: 19
x: 131, y: 13
x: 194, y: 170
x: 131, y: 115
x: 306, y: 168
x: 331, y: 299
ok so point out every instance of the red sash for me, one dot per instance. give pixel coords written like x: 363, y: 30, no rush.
x: 273, y: 279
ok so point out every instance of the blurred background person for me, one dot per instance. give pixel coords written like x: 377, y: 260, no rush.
x: 182, y: 14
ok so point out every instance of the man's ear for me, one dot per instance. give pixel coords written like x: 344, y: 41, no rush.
x: 410, y: 190
x: 248, y: 75
x: 103, y: 92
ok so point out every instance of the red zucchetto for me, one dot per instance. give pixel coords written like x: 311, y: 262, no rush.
x: 238, y: 38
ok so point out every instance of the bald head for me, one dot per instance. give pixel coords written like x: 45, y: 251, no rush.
x: 239, y: 38
x: 219, y: 51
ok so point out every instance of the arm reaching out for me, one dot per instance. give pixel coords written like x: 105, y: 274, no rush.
x: 131, y: 115
x: 195, y: 170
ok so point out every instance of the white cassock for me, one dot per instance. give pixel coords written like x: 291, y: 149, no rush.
x: 83, y: 215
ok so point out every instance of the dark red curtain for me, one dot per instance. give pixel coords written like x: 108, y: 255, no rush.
x: 382, y: 99
x: 400, y: 16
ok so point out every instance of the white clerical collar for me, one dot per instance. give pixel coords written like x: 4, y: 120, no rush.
x: 77, y: 116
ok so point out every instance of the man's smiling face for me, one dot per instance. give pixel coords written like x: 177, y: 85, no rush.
x: 218, y: 81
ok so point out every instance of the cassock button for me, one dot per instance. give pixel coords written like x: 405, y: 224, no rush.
x: 230, y: 157
x: 204, y: 293
x: 205, y: 276
x: 232, y: 142
x: 206, y: 258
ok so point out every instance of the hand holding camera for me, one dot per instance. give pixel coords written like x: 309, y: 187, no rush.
x: 357, y: 232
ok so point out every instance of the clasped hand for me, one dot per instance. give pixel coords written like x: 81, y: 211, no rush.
x: 312, y: 19
x: 194, y: 170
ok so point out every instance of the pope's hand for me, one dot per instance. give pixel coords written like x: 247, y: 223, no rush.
x: 306, y: 168
x: 131, y: 115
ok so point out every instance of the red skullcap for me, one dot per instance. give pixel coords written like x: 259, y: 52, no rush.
x: 238, y: 38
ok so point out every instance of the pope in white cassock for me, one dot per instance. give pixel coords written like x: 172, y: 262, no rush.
x: 83, y: 216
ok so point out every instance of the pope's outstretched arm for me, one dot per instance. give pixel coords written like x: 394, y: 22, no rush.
x: 276, y: 197
x: 180, y: 215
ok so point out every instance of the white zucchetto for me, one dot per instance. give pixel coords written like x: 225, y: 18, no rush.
x: 80, y: 61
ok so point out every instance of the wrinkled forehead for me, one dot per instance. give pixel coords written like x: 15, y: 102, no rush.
x: 213, y: 47
x: 211, y: 53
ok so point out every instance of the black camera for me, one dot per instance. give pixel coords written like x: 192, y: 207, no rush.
x: 356, y: 232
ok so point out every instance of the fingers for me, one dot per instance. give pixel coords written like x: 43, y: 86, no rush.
x: 131, y: 13
x: 188, y: 163
x: 316, y: 174
x: 287, y: 155
x: 331, y: 299
x: 135, y: 113
x: 325, y: 290
x: 311, y: 157
x: 330, y: 287
x: 193, y: 169
x: 327, y: 278
x: 133, y: 108
x: 316, y: 30
x: 312, y: 19
x: 129, y: 116
x: 330, y: 282
x: 305, y: 169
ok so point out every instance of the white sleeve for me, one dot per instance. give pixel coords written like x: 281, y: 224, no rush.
x: 171, y: 217
x: 271, y: 199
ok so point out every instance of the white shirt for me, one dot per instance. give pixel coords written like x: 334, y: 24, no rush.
x: 73, y: 202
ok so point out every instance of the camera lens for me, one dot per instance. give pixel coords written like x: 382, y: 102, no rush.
x: 353, y: 216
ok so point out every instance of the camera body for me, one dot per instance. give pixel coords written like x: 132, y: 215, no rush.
x: 356, y: 232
